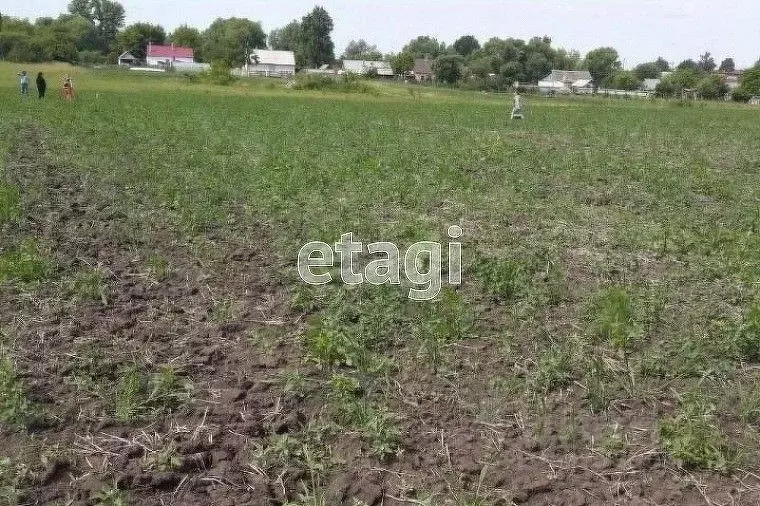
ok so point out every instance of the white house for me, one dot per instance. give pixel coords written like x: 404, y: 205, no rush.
x: 158, y: 55
x: 565, y: 81
x: 264, y: 62
x: 126, y: 59
x: 382, y: 68
x: 650, y: 84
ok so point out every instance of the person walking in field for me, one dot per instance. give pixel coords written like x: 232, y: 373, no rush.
x: 41, y: 85
x: 24, y: 81
x: 68, y: 89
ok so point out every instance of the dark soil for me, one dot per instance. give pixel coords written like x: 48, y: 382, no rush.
x: 199, y: 318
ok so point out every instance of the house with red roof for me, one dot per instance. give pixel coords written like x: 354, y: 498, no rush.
x: 165, y: 56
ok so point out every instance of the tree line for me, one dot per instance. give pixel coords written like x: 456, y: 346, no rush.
x: 93, y: 31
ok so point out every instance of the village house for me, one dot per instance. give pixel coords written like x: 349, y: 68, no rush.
x: 165, y: 56
x: 364, y: 67
x: 264, y: 62
x: 423, y: 70
x: 566, y: 81
x: 126, y: 59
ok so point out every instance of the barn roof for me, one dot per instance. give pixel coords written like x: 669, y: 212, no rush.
x: 423, y: 66
x: 363, y: 66
x: 267, y: 57
x: 571, y: 76
x: 159, y: 51
x: 126, y: 55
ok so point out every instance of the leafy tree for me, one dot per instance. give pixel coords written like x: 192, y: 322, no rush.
x: 448, y: 68
x: 315, y: 42
x: 537, y: 65
x: 650, y: 70
x: 402, y: 63
x: 135, y: 38
x: 663, y: 64
x: 287, y: 38
x: 665, y: 88
x: 602, y: 63
x: 689, y: 65
x: 480, y: 66
x: 106, y: 17
x: 81, y: 8
x: 187, y: 36
x: 567, y: 60
x: 727, y: 65
x: 466, y: 45
x: 361, y: 50
x: 750, y: 81
x: 675, y: 83
x: 707, y: 62
x: 712, y: 87
x: 424, y: 46
x: 625, y: 80
x: 228, y: 41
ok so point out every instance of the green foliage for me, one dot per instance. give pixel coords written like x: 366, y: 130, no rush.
x: 750, y: 81
x: 188, y: 36
x: 354, y: 326
x: 10, y: 203
x: 220, y: 73
x: 89, y: 285
x: 612, y: 319
x: 402, y: 63
x: 727, y: 65
x: 746, y: 337
x: 110, y: 496
x: 15, y: 408
x: 625, y: 80
x: 139, y: 394
x: 315, y: 42
x: 135, y: 38
x: 347, y: 83
x: 289, y: 38
x: 552, y: 369
x: 226, y: 40
x: 693, y: 437
x: 740, y: 95
x: 466, y: 45
x: 651, y: 70
x: 673, y: 84
x: 361, y: 50
x: 24, y: 263
x: 712, y: 87
x: 448, y: 68
x: 503, y: 278
x: 425, y: 46
x: 602, y: 63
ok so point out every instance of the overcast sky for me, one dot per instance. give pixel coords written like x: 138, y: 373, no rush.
x: 640, y: 30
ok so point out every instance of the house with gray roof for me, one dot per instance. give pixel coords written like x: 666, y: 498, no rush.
x: 423, y: 70
x: 565, y: 81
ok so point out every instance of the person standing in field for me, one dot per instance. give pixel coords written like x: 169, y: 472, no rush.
x: 41, y: 85
x: 68, y: 89
x: 517, y: 107
x: 24, y: 81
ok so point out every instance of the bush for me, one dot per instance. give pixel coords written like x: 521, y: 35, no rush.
x: 347, y: 83
x: 741, y: 95
x: 693, y: 437
x: 712, y: 88
x: 90, y: 58
x: 220, y: 74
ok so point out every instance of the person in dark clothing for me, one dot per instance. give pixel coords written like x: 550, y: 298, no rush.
x: 41, y: 85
